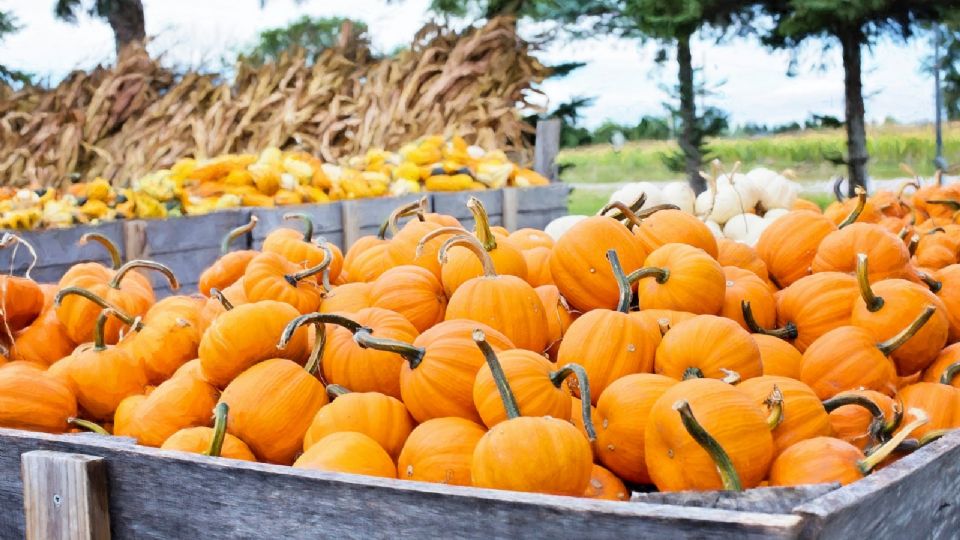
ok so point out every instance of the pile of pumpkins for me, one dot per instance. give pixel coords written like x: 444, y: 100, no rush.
x: 271, y: 178
x: 635, y: 350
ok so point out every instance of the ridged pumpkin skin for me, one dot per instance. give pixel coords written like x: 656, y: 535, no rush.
x: 675, y: 227
x: 676, y: 462
x: 366, y: 265
x: 413, y: 292
x: 790, y: 243
x: 534, y: 455
x: 851, y: 423
x: 817, y: 304
x: 402, y: 249
x: 45, y: 340
x: 621, y: 420
x: 170, y: 337
x: 246, y: 335
x: 528, y: 375
x: 351, y: 268
x: 505, y: 303
x: 348, y: 298
x: 941, y: 402
x: 348, y: 452
x: 937, y: 250
x: 949, y: 294
x: 847, y: 358
x: 579, y: 265
x: 710, y: 344
x: 558, y: 314
x: 213, y: 308
x: 744, y: 285
x: 31, y: 400
x: 380, y: 417
x: 225, y: 271
x: 367, y: 370
x: 803, y: 414
x: 78, y: 315
x: 527, y: 239
x: 196, y: 440
x: 291, y: 245
x: 21, y: 301
x: 904, y: 301
x: 462, y: 265
x: 442, y: 384
x: 179, y: 403
x: 265, y: 279
x: 695, y: 282
x: 609, y: 345
x: 538, y: 266
x: 441, y: 451
x: 778, y: 357
x: 102, y: 379
x: 948, y: 356
x: 605, y: 486
x: 733, y: 253
x: 889, y: 257
x: 820, y: 460
x: 271, y: 406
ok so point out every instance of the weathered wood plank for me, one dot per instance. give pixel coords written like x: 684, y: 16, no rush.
x: 550, y: 197
x: 510, y: 208
x: 231, y: 499
x: 768, y: 500
x: 455, y: 204
x: 546, y: 148
x: 65, y: 496
x: 916, y: 497
x: 60, y: 247
x: 371, y: 212
x: 193, y: 232
x: 187, y: 265
x: 326, y: 219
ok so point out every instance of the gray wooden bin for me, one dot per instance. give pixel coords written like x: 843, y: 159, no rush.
x: 917, y: 497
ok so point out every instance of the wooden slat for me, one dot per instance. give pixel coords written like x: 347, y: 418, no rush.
x: 455, y: 204
x: 59, y: 248
x: 194, y: 232
x: 547, y: 147
x: 327, y: 219
x: 772, y: 500
x: 160, y: 494
x: 510, y: 210
x: 65, y: 496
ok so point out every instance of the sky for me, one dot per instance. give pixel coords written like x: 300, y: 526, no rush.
x: 751, y: 82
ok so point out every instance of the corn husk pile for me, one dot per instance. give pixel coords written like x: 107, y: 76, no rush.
x: 124, y: 121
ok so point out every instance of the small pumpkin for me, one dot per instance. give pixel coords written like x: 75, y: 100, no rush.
x: 744, y: 286
x: 527, y: 239
x: 538, y: 266
x: 300, y: 249
x: 348, y: 298
x: 178, y: 403
x: 231, y: 265
x: 168, y: 338
x: 270, y: 276
x: 778, y: 356
x: 45, y: 340
x: 411, y: 291
x: 214, y: 442
x: 31, y: 400
x: 839, y: 251
x: 708, y: 346
x: 945, y: 368
x: 863, y: 418
x: 440, y: 450
x: 813, y: 306
x: 604, y: 485
x: 789, y: 245
x: 802, y: 416
x: 732, y: 253
x: 21, y: 299
x: 939, y: 402
x: 559, y: 316
x: 362, y: 262
x: 348, y: 452
x: 681, y: 278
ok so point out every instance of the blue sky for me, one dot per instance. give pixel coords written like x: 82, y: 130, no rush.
x: 621, y: 74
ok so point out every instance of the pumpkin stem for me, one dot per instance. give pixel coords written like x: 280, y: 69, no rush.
x: 499, y: 377
x: 471, y: 243
x: 557, y: 377
x: 903, y: 233
x: 442, y: 231
x: 950, y: 373
x: 625, y: 212
x: 87, y: 425
x: 413, y: 355
x: 218, y: 295
x: 139, y: 263
x: 231, y: 236
x: 336, y: 390
x: 307, y: 223
x: 731, y: 376
x: 874, y: 302
x: 914, y: 243
x: 99, y: 344
x: 115, y: 259
x: 932, y: 284
x: 774, y: 403
x: 634, y: 207
x: 664, y: 325
x: 415, y: 208
x: 220, y: 413
x: 662, y: 274
x: 905, y: 185
x: 789, y: 331
x: 484, y: 234
x: 951, y: 204
x: 626, y: 291
x: 931, y: 436
x: 317, y: 319
x: 887, y: 347
x: 728, y: 473
x: 861, y: 203
x: 881, y: 453
x: 9, y: 238
x: 362, y: 335
x: 293, y: 279
x: 692, y: 373
x: 878, y: 426
x: 117, y: 312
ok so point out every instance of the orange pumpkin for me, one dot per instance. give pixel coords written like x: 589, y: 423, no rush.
x: 405, y: 247
x: 681, y: 278
x: 732, y: 253
x: 169, y: 337
x: 538, y: 266
x: 674, y: 226
x: 937, y: 249
x: 231, y: 264
x: 527, y: 239
x: 178, y: 403
x: 604, y: 485
x: 21, y: 299
x: 708, y: 346
x: 947, y: 287
x: 300, y: 249
x: 348, y: 452
x: 362, y: 261
x: 802, y: 416
x: 440, y: 450
x: 863, y: 417
x: 559, y: 316
x: 45, y: 340
x: 215, y: 442
x: 945, y: 368
x: 813, y: 306
x: 31, y: 400
x: 778, y: 357
x: 789, y: 245
x: 270, y: 276
x: 940, y: 403
x: 413, y: 292
x: 348, y: 298
x: 744, y: 286
x: 839, y: 251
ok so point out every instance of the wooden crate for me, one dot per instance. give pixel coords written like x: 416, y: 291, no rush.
x: 159, y: 494
x: 58, y: 249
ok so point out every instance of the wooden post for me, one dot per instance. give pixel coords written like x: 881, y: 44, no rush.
x: 351, y: 223
x: 64, y: 496
x: 135, y: 245
x: 510, y: 208
x: 547, y: 147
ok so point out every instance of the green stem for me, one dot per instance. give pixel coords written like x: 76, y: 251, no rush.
x: 887, y: 347
x: 914, y: 243
x: 220, y: 413
x: 625, y: 212
x: 932, y: 284
x: 317, y: 319
x: 336, y: 390
x: 623, y: 285
x: 499, y: 377
x: 231, y: 236
x: 115, y: 259
x: 728, y: 473
x: 218, y: 295
x: 878, y: 426
x: 861, y: 203
x: 293, y: 279
x: 484, y: 234
x: 307, y: 224
x: 117, y: 312
x: 471, y: 243
x: 874, y: 302
x: 952, y: 205
x: 931, y: 436
x: 692, y: 373
x: 416, y: 208
x: 662, y: 274
x: 151, y: 265
x: 413, y: 355
x: 87, y: 425
x: 881, y: 453
x: 789, y: 331
x: 774, y: 403
x: 438, y: 232
x: 557, y: 377
x: 950, y: 373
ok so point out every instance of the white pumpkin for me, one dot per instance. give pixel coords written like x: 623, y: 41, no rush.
x: 631, y: 192
x: 681, y: 195
x: 734, y: 196
x: 775, y: 190
x: 715, y: 229
x: 745, y: 228
x: 561, y: 225
x: 775, y: 214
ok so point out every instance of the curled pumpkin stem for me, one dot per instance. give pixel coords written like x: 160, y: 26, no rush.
x: 236, y: 233
x: 855, y: 214
x: 914, y: 243
x: 887, y: 448
x: 949, y: 203
x: 728, y: 473
x: 293, y: 279
x: 623, y: 284
x: 150, y: 265
x: 442, y: 231
x: 625, y: 212
x: 887, y: 347
x: 362, y: 335
x: 499, y: 377
x: 220, y: 413
x: 950, y: 373
x: 662, y: 275
x: 838, y: 189
x: 336, y: 390
x: 115, y: 259
x: 932, y: 284
x: 320, y: 342
x: 774, y: 403
x: 307, y: 224
x: 9, y: 239
x: 416, y: 208
x: 557, y: 377
x: 484, y: 234
x: 218, y: 295
x: 788, y: 332
x: 117, y: 312
x: 87, y: 425
x: 878, y: 429
x: 873, y: 302
x: 471, y: 243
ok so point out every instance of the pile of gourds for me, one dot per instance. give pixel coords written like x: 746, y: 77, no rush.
x: 271, y: 178
x: 634, y: 350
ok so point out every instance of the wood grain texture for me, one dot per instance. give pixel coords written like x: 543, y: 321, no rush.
x: 916, y: 497
x: 510, y: 208
x: 547, y: 147
x: 160, y: 494
x: 326, y: 219
x: 768, y: 500
x: 454, y: 203
x: 65, y: 496
x: 57, y: 249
